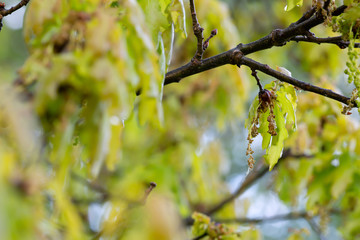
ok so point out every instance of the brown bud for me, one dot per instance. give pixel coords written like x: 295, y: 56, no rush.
x: 206, y: 45
x: 265, y: 96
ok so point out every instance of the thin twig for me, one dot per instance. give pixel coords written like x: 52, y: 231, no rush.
x: 326, y: 5
x: 316, y: 228
x: 255, y: 175
x: 5, y: 12
x: 330, y: 40
x: 276, y: 218
x: 198, y: 32
x: 206, y: 42
x: 152, y: 185
x: 254, y: 74
x: 252, y: 178
x: 307, y: 15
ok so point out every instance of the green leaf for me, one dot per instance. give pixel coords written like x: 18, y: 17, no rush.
x: 287, y: 108
x: 178, y: 16
x: 273, y: 153
x: 252, y: 111
x: 164, y: 4
x: 343, y: 175
x: 263, y: 129
x: 201, y: 224
x: 293, y: 3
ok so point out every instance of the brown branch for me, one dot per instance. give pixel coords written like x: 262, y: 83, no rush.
x: 255, y: 175
x: 4, y: 12
x: 252, y: 178
x: 276, y: 218
x: 254, y: 74
x: 330, y: 40
x: 198, y: 32
x: 152, y: 185
x: 316, y: 228
x: 206, y: 42
x: 300, y: 84
x: 277, y: 37
x: 307, y: 15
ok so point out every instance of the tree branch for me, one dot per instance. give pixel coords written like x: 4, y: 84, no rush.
x: 276, y: 218
x: 152, y: 185
x: 316, y: 228
x: 300, y: 84
x: 277, y: 37
x: 254, y: 74
x: 198, y: 32
x: 253, y: 177
x: 4, y: 12
x: 330, y: 40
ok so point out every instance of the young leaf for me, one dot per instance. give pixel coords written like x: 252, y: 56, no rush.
x: 272, y: 124
x: 293, y: 3
x: 273, y: 153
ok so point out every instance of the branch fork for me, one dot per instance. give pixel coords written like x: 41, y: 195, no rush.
x: 297, y: 31
x: 198, y: 32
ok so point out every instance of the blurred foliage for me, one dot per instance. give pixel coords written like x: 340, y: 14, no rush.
x: 79, y: 148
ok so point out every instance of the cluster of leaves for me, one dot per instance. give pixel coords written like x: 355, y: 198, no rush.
x: 349, y: 21
x: 272, y: 114
x: 203, y: 226
x: 96, y: 143
x: 89, y: 142
x: 326, y: 155
x: 84, y: 53
x: 348, y: 24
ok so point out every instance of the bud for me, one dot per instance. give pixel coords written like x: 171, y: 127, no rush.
x: 206, y: 45
x: 214, y: 32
